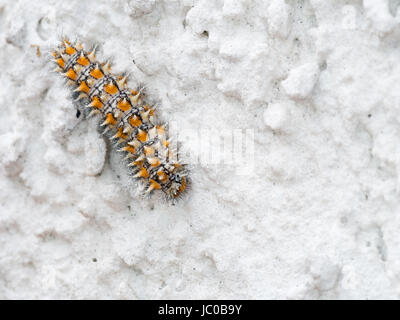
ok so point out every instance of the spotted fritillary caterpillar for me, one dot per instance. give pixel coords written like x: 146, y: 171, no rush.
x: 127, y: 120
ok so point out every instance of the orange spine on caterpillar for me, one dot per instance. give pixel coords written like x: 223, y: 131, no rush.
x: 127, y: 120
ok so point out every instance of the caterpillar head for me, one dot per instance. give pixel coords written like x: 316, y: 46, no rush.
x: 178, y: 182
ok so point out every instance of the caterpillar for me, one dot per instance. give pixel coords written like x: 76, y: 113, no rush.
x: 127, y: 120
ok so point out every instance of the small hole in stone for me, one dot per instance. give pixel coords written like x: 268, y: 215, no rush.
x: 369, y: 115
x: 78, y: 113
x: 205, y: 33
x: 94, y: 260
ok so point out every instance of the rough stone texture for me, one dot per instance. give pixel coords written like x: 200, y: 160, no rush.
x: 317, y: 80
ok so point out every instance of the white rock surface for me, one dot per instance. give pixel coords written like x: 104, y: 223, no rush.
x: 317, y: 218
x: 277, y: 115
x: 301, y: 80
x: 278, y: 18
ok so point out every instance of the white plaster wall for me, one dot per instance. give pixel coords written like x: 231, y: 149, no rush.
x: 319, y: 83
